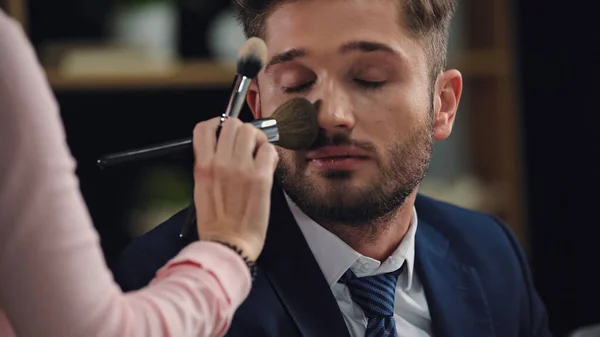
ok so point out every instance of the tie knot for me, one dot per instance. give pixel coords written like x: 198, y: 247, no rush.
x: 375, y: 294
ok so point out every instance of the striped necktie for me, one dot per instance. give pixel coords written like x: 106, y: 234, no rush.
x: 375, y: 295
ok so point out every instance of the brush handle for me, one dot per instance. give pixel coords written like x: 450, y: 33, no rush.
x: 241, y: 84
x: 266, y: 125
x: 145, y: 153
x: 238, y: 96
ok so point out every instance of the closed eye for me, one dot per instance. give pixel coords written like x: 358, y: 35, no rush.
x: 305, y: 86
x: 298, y: 88
x: 369, y: 84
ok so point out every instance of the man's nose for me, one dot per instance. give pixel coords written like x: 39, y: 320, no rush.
x: 335, y: 109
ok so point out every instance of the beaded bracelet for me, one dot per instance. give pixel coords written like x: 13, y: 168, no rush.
x: 251, y: 264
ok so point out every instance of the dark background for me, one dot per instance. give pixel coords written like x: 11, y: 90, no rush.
x: 558, y: 58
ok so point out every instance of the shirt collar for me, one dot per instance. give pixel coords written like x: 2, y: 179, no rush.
x: 334, y: 256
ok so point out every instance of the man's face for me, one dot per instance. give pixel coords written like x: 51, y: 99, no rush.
x: 377, y: 109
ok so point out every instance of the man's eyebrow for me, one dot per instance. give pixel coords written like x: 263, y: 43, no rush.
x: 366, y: 47
x: 362, y: 46
x: 286, y: 56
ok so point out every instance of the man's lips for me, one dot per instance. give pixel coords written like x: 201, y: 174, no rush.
x: 337, y: 152
x: 337, y: 158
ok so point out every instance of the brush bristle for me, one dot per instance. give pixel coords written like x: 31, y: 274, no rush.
x: 252, y: 57
x: 297, y: 123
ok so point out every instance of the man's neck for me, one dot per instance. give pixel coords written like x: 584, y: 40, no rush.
x: 380, y: 241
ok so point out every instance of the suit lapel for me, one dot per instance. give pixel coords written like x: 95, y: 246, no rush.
x: 296, y: 276
x: 455, y: 297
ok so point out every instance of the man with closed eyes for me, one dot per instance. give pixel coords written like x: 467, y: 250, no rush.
x: 352, y: 248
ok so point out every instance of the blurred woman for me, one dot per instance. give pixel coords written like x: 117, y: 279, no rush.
x: 53, y: 277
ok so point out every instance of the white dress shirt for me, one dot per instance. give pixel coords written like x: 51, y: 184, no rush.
x: 334, y: 257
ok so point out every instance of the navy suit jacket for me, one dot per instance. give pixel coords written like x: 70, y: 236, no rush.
x: 476, y: 278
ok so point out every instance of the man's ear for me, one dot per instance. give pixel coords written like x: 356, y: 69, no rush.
x: 447, y: 96
x: 253, y: 99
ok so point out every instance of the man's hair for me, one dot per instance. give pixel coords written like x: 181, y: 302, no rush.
x: 427, y: 20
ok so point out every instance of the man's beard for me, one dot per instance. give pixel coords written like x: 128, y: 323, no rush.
x: 338, y: 202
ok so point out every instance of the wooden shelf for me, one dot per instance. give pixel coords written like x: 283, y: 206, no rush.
x: 206, y: 73
x: 188, y: 74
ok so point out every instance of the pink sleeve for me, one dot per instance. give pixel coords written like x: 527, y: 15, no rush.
x: 53, y: 277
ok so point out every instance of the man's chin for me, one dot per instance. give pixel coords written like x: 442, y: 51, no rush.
x: 329, y: 186
x: 342, y: 178
x: 336, y: 176
x: 334, y: 198
x: 336, y: 186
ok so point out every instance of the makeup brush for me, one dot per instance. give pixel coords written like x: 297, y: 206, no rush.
x: 251, y: 59
x: 297, y: 123
x: 293, y: 125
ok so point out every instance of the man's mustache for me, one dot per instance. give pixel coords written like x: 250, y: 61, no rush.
x: 340, y: 139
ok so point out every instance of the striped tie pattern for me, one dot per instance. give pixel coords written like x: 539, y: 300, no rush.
x: 375, y: 295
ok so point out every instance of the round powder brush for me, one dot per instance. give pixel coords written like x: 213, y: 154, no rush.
x: 297, y: 123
